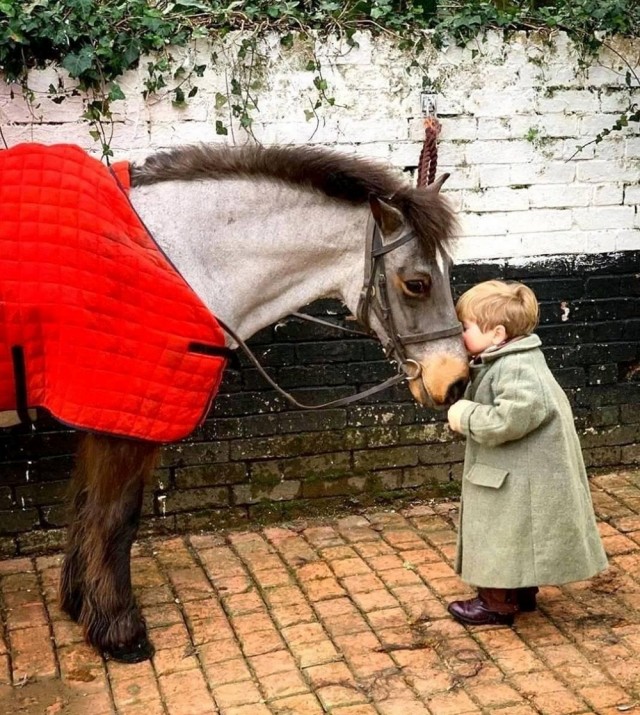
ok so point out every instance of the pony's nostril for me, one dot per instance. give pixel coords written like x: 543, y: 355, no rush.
x: 456, y: 390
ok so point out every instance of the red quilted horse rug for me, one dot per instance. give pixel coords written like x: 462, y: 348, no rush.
x: 96, y: 325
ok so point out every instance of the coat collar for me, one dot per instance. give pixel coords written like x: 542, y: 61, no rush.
x: 527, y: 342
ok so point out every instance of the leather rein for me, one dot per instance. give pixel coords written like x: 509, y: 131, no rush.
x: 373, y: 296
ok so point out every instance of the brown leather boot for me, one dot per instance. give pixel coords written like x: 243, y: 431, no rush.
x: 527, y: 598
x: 492, y: 606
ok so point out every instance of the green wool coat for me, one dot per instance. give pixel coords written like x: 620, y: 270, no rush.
x: 526, y: 512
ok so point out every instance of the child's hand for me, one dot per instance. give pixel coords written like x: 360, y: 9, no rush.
x: 454, y: 415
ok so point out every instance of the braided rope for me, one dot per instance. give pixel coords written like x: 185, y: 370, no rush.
x: 428, y: 163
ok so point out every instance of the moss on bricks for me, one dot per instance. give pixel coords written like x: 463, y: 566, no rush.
x: 8, y: 548
x: 211, y: 520
x: 313, y: 507
x: 432, y: 474
x: 383, y: 481
x: 209, y: 475
x: 386, y: 457
x: 372, y: 437
x: 321, y: 466
x: 424, y: 433
x: 288, y: 445
x: 266, y: 512
x: 265, y: 475
x: 41, y: 542
x: 345, y: 486
x: 253, y: 493
x: 194, y: 499
x: 441, y: 453
x: 184, y: 453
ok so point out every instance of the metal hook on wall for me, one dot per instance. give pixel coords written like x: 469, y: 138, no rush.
x: 428, y: 163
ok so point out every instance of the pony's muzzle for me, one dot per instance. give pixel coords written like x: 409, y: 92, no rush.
x: 443, y: 380
x: 456, y: 391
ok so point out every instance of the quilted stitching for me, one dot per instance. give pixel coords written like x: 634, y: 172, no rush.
x: 103, y: 317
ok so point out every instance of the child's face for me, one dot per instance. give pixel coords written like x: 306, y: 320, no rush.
x: 477, y: 340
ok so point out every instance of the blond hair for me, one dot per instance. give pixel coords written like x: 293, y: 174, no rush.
x: 507, y: 303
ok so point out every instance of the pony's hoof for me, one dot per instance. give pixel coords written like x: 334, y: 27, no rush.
x: 142, y: 650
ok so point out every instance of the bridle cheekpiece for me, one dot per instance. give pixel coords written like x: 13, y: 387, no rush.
x: 374, y: 296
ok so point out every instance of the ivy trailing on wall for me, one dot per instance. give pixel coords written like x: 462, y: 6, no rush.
x: 96, y: 41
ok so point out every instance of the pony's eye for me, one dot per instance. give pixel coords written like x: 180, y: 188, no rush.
x: 417, y: 287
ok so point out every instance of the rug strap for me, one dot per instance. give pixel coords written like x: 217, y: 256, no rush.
x: 20, y: 380
x: 216, y: 351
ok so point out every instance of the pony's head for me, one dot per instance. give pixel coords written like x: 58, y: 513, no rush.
x: 407, y: 296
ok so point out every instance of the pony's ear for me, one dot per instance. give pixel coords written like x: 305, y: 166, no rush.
x: 388, y: 218
x: 437, y: 184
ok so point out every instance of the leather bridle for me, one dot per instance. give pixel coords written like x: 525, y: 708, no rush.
x: 373, y: 296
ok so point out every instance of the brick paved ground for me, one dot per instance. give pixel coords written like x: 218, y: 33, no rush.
x: 346, y: 617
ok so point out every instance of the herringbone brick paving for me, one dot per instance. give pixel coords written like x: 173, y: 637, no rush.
x: 345, y: 616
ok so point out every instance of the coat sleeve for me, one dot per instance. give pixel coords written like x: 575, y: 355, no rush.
x: 519, y: 406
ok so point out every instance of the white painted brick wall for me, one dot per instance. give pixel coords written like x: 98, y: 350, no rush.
x: 512, y: 117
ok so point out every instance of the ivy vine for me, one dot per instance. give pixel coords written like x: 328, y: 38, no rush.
x: 97, y: 41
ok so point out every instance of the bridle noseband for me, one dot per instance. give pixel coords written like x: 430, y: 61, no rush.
x: 374, y: 295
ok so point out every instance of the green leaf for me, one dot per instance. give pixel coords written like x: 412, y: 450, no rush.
x: 116, y: 92
x: 84, y: 6
x: 309, y: 114
x: 221, y: 100
x: 179, y: 96
x: 220, y: 128
x: 77, y: 63
x: 193, y: 91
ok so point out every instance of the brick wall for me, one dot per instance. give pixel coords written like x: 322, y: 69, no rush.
x: 255, y: 459
x: 512, y: 114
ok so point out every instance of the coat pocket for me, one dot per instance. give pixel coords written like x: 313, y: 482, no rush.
x: 484, y: 476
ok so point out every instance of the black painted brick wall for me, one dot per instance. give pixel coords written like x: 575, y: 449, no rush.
x: 254, y: 458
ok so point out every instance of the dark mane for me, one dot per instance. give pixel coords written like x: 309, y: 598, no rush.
x: 339, y: 176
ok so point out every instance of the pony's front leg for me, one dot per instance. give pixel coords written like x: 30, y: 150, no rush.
x: 98, y: 571
x: 73, y: 567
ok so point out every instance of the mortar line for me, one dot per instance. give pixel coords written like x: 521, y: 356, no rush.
x: 178, y: 602
x: 4, y: 632
x: 261, y: 592
x: 54, y: 646
x: 398, y: 667
x: 219, y: 598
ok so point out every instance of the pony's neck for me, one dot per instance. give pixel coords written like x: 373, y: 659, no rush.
x: 255, y: 251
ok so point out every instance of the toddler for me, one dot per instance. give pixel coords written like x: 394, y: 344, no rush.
x: 526, y: 517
